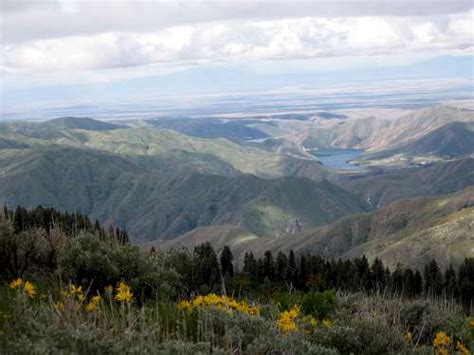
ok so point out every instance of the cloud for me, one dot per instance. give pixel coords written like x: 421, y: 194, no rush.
x: 245, y: 40
x: 26, y: 20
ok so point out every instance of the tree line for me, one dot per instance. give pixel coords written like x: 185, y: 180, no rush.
x: 204, y: 270
x: 30, y: 240
x: 48, y: 218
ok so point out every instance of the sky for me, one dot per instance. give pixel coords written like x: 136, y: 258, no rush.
x: 73, y: 51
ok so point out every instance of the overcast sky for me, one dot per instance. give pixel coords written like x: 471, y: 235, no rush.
x: 71, y: 42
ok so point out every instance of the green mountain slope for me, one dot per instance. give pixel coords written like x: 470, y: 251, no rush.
x: 375, y: 133
x: 154, y: 198
x: 438, y: 178
x: 410, y: 232
x: 452, y: 140
x: 149, y: 141
x: 84, y: 123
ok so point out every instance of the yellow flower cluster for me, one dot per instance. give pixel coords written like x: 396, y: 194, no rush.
x: 28, y: 287
x: 327, y: 323
x: 287, y: 320
x: 441, y: 343
x: 94, y: 302
x: 59, y: 306
x: 220, y: 302
x: 124, y: 293
x: 313, y: 322
x: 462, y: 349
x: 74, y: 292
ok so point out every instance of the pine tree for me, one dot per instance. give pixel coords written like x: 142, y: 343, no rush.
x: 377, y: 272
x: 417, y: 283
x: 302, y: 273
x: 433, y: 278
x: 269, y: 266
x: 450, y: 283
x: 363, y: 272
x: 207, y: 265
x: 396, y: 280
x: 227, y: 267
x: 291, y: 274
x: 281, y: 266
x: 466, y: 283
x: 408, y: 283
x: 250, y: 265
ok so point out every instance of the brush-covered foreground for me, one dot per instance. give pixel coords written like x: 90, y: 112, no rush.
x: 70, y: 286
x: 37, y: 320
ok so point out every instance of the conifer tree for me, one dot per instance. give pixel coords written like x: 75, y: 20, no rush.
x: 227, y: 258
x: 466, y: 283
x: 450, y: 282
x: 433, y: 278
x: 281, y: 266
x: 291, y: 274
x: 269, y: 266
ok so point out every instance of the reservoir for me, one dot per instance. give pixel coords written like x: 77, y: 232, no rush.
x: 337, y: 158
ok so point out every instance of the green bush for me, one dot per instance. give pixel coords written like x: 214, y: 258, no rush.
x: 344, y: 339
x: 95, y: 263
x: 319, y: 304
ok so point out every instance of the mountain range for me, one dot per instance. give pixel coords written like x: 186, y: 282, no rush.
x: 409, y: 232
x: 253, y: 183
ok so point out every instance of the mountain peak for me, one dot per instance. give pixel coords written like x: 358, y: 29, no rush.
x: 86, y: 123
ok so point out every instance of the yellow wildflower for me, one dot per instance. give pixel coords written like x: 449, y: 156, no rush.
x: 30, y: 289
x: 222, y: 303
x: 287, y: 320
x: 16, y: 283
x: 185, y: 306
x: 327, y: 323
x: 59, y: 306
x: 408, y: 337
x: 124, y: 293
x: 92, y: 305
x: 471, y: 323
x: 462, y: 349
x: 74, y: 290
x: 442, y: 339
x: 441, y: 343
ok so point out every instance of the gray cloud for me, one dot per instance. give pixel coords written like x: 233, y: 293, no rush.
x: 24, y: 20
x: 290, y: 38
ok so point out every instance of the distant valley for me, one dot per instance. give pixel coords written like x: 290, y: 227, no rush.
x: 268, y: 180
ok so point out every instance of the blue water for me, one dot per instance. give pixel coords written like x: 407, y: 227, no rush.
x: 338, y: 158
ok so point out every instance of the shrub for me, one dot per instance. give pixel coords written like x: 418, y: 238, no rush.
x: 319, y: 304
x: 96, y: 263
x: 294, y: 343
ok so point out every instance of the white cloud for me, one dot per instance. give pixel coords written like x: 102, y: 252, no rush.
x: 290, y: 38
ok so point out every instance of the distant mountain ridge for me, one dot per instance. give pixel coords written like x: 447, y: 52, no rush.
x: 150, y: 141
x: 407, y: 232
x: 374, y: 133
x: 84, y: 123
x: 434, y: 179
x: 157, y: 199
x: 452, y: 140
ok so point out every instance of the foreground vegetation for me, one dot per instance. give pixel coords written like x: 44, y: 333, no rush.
x: 71, y: 286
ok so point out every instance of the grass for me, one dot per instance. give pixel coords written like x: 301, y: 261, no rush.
x: 58, y: 321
